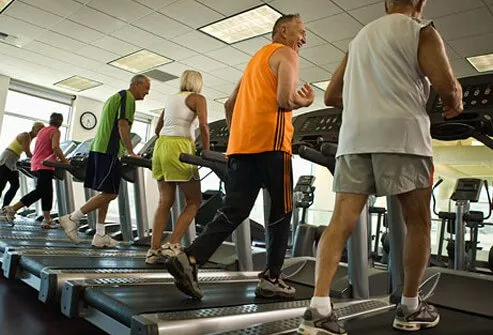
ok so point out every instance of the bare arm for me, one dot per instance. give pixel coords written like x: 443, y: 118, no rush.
x: 333, y: 93
x: 229, y: 105
x: 55, y: 145
x: 159, y: 124
x: 124, y: 129
x: 285, y: 61
x: 201, y: 110
x: 25, y: 140
x: 434, y: 63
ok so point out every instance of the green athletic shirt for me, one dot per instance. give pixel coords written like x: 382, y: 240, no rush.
x: 107, y: 140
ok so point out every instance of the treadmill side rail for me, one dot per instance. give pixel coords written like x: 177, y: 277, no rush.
x: 143, y: 326
x: 10, y: 264
x: 48, y: 287
x: 71, y: 299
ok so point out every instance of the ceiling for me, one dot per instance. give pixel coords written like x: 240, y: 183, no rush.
x: 62, y: 38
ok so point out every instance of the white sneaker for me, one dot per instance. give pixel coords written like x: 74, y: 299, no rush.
x: 70, y: 228
x: 48, y: 224
x: 171, y: 250
x: 9, y: 214
x: 155, y: 257
x: 104, y: 241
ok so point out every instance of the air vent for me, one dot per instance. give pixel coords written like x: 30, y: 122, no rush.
x: 9, y: 39
x: 160, y: 75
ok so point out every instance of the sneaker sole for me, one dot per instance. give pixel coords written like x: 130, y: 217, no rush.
x: 414, y: 326
x: 182, y: 280
x: 308, y: 330
x: 260, y: 293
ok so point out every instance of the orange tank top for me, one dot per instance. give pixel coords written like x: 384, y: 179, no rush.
x: 258, y: 123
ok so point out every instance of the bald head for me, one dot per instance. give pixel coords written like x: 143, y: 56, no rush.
x: 413, y: 8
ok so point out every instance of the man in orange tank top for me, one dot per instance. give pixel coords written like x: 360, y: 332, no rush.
x: 259, y: 156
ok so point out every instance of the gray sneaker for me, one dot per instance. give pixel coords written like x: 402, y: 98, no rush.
x: 70, y: 228
x: 8, y: 214
x: 155, y: 257
x: 316, y: 324
x: 426, y: 316
x: 273, y: 287
x: 186, y: 275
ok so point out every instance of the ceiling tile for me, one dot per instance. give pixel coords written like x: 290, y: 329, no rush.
x: 198, y: 41
x: 336, y: 28
x: 136, y: 36
x: 204, y: 63
x: 451, y: 53
x: 32, y: 15
x: 191, y: 13
x: 474, y: 46
x: 226, y: 89
x: 96, y: 20
x: 460, y: 25
x: 332, y: 67
x: 125, y: 10
x: 462, y: 68
x: 229, y: 55
x: 115, y: 45
x: 176, y: 68
x: 211, y: 81
x: 97, y: 54
x: 155, y: 4
x: 62, y: 8
x: 60, y: 41
x: 343, y: 45
x: 241, y: 66
x: 230, y: 74
x: 171, y: 50
x: 162, y: 25
x: 309, y: 10
x: 252, y: 45
x: 23, y: 30
x: 312, y: 40
x: 314, y: 73
x: 369, y: 13
x: 305, y: 63
x: 438, y: 8
x: 228, y: 7
x: 113, y: 72
x: 77, y: 31
x: 322, y: 54
x: 351, y: 4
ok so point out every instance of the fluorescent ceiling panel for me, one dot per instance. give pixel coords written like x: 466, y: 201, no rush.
x: 254, y: 22
x: 482, y: 63
x: 4, y: 4
x: 321, y: 84
x: 140, y: 61
x: 78, y: 83
x: 221, y: 100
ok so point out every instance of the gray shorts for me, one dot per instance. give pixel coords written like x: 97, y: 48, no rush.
x: 382, y: 174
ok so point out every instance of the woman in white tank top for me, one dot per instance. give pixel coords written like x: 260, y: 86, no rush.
x: 176, y: 131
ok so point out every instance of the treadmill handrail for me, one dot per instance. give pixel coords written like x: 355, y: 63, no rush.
x: 214, y: 156
x: 328, y: 149
x: 58, y: 165
x: 317, y: 157
x: 142, y: 162
x: 218, y: 168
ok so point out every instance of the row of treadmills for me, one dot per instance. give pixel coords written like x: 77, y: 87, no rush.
x: 118, y: 292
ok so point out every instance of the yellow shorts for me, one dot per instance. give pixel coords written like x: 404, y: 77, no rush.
x: 166, y: 163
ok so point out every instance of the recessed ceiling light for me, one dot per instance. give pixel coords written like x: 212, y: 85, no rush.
x: 140, y: 61
x: 321, y: 84
x: 251, y: 23
x: 78, y: 83
x: 483, y: 63
x: 221, y: 100
x: 4, y: 4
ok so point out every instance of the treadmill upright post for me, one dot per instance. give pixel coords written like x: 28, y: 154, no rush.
x: 243, y: 243
x: 267, y: 204
x: 397, y: 238
x: 460, y: 230
x: 358, y: 257
x: 140, y: 204
x: 69, y: 191
x: 91, y: 217
x: 124, y: 212
x: 60, y: 197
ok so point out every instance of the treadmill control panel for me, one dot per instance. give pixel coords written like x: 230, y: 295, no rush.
x: 317, y: 127
x: 467, y: 189
x: 148, y: 148
x: 219, y: 136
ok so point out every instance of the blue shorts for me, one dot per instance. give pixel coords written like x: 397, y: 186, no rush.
x: 103, y: 173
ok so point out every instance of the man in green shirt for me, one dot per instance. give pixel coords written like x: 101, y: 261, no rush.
x: 103, y: 172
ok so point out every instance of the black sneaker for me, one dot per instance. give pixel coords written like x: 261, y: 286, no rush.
x: 426, y: 316
x: 272, y: 288
x: 316, y: 324
x: 186, y: 275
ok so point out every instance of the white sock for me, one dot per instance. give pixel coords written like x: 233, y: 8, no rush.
x: 100, y: 229
x: 76, y: 216
x: 411, y: 304
x: 322, y: 305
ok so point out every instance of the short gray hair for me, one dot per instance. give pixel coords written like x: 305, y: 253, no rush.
x: 392, y: 3
x: 139, y: 79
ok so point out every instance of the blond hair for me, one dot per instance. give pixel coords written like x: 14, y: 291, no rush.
x: 191, y: 81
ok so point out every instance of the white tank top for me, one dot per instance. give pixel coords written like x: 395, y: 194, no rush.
x: 385, y: 93
x: 179, y: 120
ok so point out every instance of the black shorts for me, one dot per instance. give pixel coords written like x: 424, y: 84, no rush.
x: 103, y: 173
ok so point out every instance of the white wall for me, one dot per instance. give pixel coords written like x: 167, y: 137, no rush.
x: 4, y: 87
x: 81, y: 105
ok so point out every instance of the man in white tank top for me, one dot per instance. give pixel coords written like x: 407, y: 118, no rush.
x: 385, y: 148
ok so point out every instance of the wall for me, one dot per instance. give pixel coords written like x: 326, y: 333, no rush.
x: 81, y: 105
x: 4, y: 87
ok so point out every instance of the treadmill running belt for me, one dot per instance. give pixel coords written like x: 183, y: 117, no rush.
x: 122, y: 304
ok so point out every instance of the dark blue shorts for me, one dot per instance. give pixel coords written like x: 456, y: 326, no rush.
x: 103, y: 173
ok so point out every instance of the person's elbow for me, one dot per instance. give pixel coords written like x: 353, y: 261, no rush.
x: 204, y: 128
x: 286, y: 101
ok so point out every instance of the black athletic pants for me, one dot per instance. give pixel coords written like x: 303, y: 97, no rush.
x: 12, y: 177
x: 43, y: 191
x: 247, y: 175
